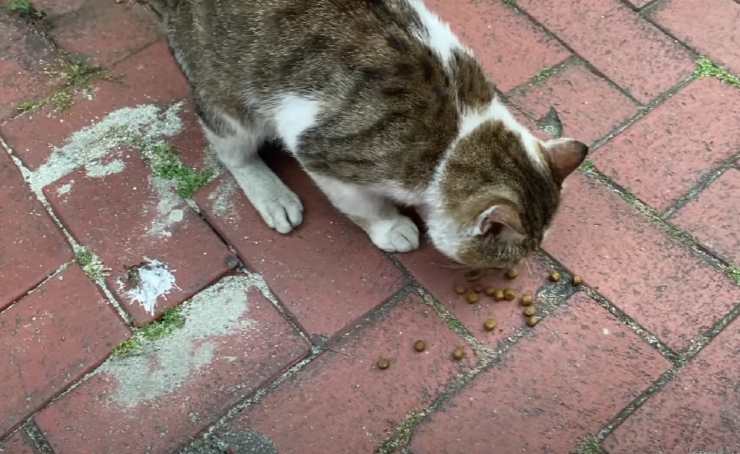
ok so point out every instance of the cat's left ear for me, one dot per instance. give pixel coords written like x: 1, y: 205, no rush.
x: 564, y: 156
x: 498, y: 220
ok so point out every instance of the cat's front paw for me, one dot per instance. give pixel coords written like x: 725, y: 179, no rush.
x: 395, y: 235
x: 282, y: 211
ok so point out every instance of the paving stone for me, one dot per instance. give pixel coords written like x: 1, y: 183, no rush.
x: 698, y: 412
x: 712, y: 217
x: 636, y: 266
x: 131, y: 219
x: 587, y: 105
x: 710, y: 27
x: 510, y: 48
x: 440, y: 276
x: 149, y: 77
x: 31, y: 246
x: 25, y: 57
x: 629, y: 50
x: 343, y: 402
x: 678, y: 142
x: 232, y: 342
x: 18, y: 443
x: 327, y: 272
x: 50, y: 339
x: 575, y: 372
x: 106, y: 31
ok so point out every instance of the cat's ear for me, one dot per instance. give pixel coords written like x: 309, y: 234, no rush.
x: 498, y: 220
x: 564, y: 156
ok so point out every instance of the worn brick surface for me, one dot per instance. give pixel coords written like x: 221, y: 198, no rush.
x: 635, y: 265
x: 149, y: 77
x: 587, y: 105
x: 629, y: 50
x: 326, y: 272
x: 664, y: 155
x: 18, y: 443
x: 440, y: 276
x: 699, y: 411
x: 710, y: 27
x: 577, y: 370
x: 24, y: 57
x: 58, y: 7
x: 510, y: 48
x: 638, y: 3
x: 712, y: 217
x: 106, y: 31
x: 31, y: 246
x: 233, y: 340
x: 129, y: 218
x: 343, y: 403
x: 49, y: 339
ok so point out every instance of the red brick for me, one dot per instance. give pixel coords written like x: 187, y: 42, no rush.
x: 326, y: 272
x: 586, y: 104
x: 510, y: 48
x: 678, y: 142
x: 51, y: 338
x: 699, y: 411
x: 18, y: 443
x: 126, y: 221
x: 232, y: 342
x: 712, y: 217
x: 31, y: 246
x: 711, y: 27
x: 577, y: 370
x: 440, y: 276
x: 629, y: 50
x: 106, y: 32
x: 635, y: 265
x: 343, y: 401
x: 150, y: 77
x: 24, y: 58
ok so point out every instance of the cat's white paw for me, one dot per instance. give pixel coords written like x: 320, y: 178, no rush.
x: 282, y: 211
x: 395, y: 235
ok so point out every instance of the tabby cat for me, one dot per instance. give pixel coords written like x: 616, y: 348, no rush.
x: 382, y: 105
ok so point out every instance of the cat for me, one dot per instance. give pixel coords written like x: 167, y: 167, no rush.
x: 383, y: 106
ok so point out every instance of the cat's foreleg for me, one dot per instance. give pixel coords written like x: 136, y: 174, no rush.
x: 236, y: 147
x: 388, y: 229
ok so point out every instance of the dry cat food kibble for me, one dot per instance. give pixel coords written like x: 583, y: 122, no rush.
x: 458, y: 354
x: 512, y: 274
x: 533, y: 320
x: 554, y: 276
x: 577, y: 280
x: 383, y: 363
x: 529, y: 311
x: 460, y: 290
x: 526, y: 300
x: 489, y: 325
x: 420, y: 346
x: 499, y: 295
x: 473, y: 276
x: 472, y: 298
x: 490, y: 291
x: 509, y: 294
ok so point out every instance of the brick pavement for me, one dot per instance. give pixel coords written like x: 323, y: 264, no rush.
x: 140, y: 312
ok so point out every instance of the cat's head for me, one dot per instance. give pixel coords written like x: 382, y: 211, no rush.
x: 497, y: 193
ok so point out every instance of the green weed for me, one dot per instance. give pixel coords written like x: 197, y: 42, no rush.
x: 166, y: 164
x: 707, y: 68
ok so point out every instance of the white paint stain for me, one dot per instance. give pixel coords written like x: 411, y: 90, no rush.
x: 65, y: 188
x: 170, y: 208
x: 97, y: 169
x: 222, y: 199
x: 167, y: 363
x: 153, y: 280
x: 142, y: 125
